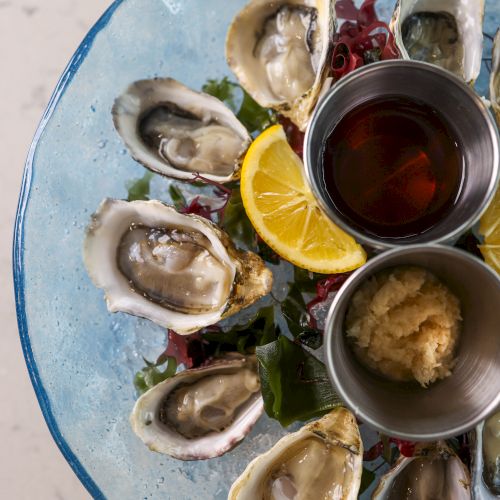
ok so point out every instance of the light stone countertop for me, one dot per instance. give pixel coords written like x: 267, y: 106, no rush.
x: 37, y: 39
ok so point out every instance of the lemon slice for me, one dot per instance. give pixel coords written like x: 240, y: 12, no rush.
x: 489, y: 227
x: 285, y: 213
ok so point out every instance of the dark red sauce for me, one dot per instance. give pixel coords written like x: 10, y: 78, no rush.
x: 393, y: 167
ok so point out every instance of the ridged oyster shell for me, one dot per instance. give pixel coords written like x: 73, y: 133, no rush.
x: 176, y: 289
x: 448, y: 33
x: 435, y: 471
x: 177, y: 132
x: 324, y: 459
x: 287, y: 76
x: 486, y: 459
x: 195, y: 402
x: 495, y: 78
x: 491, y: 453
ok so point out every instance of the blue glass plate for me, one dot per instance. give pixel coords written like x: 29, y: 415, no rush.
x: 82, y: 359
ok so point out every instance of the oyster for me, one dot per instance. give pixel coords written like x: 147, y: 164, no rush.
x: 280, y: 52
x: 178, y: 132
x: 447, y: 33
x: 324, y: 459
x: 486, y: 458
x: 495, y: 77
x: 491, y: 453
x: 435, y: 471
x: 201, y: 413
x: 180, y: 271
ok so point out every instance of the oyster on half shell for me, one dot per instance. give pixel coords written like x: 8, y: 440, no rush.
x: 201, y: 413
x: 323, y: 460
x: 178, y: 132
x: 491, y: 453
x: 180, y: 271
x: 435, y: 471
x: 486, y: 458
x: 495, y: 77
x: 447, y: 33
x: 280, y: 53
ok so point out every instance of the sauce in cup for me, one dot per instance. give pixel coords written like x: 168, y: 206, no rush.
x: 393, y: 166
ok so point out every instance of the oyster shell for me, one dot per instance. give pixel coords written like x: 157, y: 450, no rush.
x: 435, y: 471
x: 491, y: 453
x: 486, y: 458
x: 324, y: 459
x: 447, y: 33
x: 495, y: 78
x: 180, y: 271
x: 280, y: 53
x: 201, y: 413
x: 178, y: 132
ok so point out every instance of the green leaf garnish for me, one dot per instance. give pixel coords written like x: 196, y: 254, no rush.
x: 253, y: 116
x: 294, y: 310
x: 259, y: 330
x: 177, y: 197
x: 152, y: 374
x: 224, y: 90
x: 237, y: 224
x: 311, y: 338
x: 306, y: 280
x: 267, y: 253
x: 295, y: 313
x: 294, y: 383
x: 366, y: 480
x: 139, y: 188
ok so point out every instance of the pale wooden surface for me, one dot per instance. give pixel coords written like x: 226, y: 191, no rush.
x: 37, y: 39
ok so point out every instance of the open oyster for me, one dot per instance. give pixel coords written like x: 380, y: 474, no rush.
x: 447, y: 33
x: 495, y: 77
x: 201, y: 413
x: 178, y: 132
x: 435, y: 471
x: 180, y: 271
x: 491, y: 453
x: 486, y: 458
x: 280, y: 52
x: 324, y: 459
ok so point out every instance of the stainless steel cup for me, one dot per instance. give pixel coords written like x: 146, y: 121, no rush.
x: 455, y: 101
x: 448, y: 407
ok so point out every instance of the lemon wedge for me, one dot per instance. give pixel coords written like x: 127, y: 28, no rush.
x: 489, y: 227
x: 284, y: 212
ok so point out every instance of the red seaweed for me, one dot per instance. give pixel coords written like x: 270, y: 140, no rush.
x: 345, y: 9
x: 361, y: 39
x: 196, y: 207
x: 186, y: 349
x: 406, y: 448
x: 293, y: 134
x: 323, y: 289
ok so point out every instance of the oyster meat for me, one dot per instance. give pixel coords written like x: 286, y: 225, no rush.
x: 201, y: 413
x: 495, y: 78
x: 323, y: 460
x: 178, y: 132
x: 491, y: 453
x: 280, y: 51
x: 435, y: 471
x: 447, y: 33
x: 180, y: 271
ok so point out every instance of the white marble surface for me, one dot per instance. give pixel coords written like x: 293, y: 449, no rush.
x: 37, y: 39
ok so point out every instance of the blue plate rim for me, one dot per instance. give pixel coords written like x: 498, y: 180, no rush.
x: 18, y: 254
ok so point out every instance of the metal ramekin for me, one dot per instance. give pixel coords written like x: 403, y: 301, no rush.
x: 456, y: 102
x: 448, y: 407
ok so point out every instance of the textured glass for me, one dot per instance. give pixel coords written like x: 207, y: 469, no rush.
x: 81, y: 358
